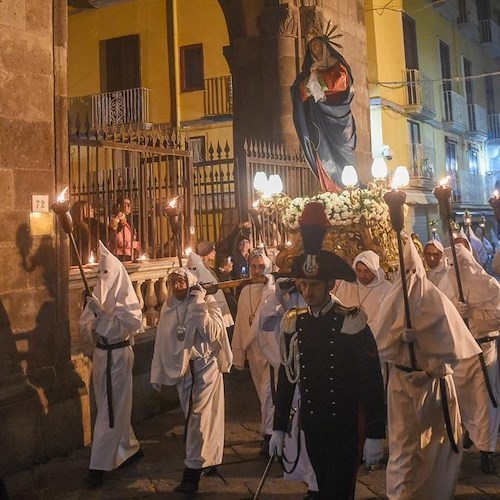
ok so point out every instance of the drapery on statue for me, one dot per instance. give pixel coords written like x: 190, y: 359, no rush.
x: 322, y: 94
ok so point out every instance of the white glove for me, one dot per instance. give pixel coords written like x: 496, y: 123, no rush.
x: 198, y: 292
x: 463, y: 309
x: 373, y: 451
x: 94, y: 305
x: 276, y: 443
x: 156, y: 387
x: 409, y: 335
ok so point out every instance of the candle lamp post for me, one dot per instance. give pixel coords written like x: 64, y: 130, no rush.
x: 174, y: 215
x: 443, y: 192
x: 395, y: 200
x: 61, y: 209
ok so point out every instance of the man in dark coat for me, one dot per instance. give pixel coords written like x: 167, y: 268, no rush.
x: 330, y: 352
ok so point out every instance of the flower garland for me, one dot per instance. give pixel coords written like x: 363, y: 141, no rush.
x: 343, y: 209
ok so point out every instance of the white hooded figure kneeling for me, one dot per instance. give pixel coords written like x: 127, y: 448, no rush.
x: 112, y: 316
x: 192, y: 352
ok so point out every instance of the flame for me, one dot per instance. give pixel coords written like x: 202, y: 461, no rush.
x: 172, y: 203
x: 62, y: 195
x: 444, y: 181
x: 143, y: 256
x: 288, y: 243
x: 187, y: 251
x: 495, y: 193
x: 255, y: 204
x: 91, y: 258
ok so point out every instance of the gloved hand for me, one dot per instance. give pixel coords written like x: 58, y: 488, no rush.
x: 94, y: 305
x: 156, y: 387
x: 276, y: 443
x: 198, y: 292
x: 463, y: 309
x: 409, y: 335
x: 373, y: 452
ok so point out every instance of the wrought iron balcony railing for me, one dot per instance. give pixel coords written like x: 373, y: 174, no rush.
x: 454, y: 112
x: 489, y: 36
x: 120, y: 107
x: 478, y: 122
x: 419, y: 94
x: 494, y: 126
x: 218, y: 96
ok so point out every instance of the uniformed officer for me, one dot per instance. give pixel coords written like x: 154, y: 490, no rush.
x: 330, y: 352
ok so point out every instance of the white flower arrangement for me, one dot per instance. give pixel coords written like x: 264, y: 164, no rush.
x: 342, y: 209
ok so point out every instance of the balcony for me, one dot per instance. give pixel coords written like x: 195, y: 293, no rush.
x: 121, y: 107
x: 422, y: 161
x: 218, y: 96
x: 471, y: 188
x: 419, y: 95
x: 447, y: 8
x: 494, y: 126
x: 478, y: 123
x: 468, y: 23
x: 454, y: 112
x: 489, y: 37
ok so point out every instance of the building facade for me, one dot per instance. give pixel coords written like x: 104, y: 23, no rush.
x: 434, y: 89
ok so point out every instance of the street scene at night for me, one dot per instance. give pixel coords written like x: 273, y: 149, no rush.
x: 251, y: 249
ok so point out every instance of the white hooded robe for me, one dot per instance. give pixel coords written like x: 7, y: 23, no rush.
x: 122, y: 317
x: 203, y: 354
x: 421, y: 463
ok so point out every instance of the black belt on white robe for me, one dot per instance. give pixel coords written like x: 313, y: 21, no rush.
x: 480, y: 341
x: 444, y: 403
x: 103, y: 344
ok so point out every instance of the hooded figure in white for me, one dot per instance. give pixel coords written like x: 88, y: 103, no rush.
x: 244, y: 342
x: 112, y: 315
x: 191, y: 352
x: 370, y: 295
x: 199, y: 269
x: 421, y: 463
x: 481, y: 309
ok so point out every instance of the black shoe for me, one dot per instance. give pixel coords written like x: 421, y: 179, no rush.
x: 190, y: 481
x: 136, y: 456
x: 467, y: 441
x: 487, y: 462
x: 94, y: 478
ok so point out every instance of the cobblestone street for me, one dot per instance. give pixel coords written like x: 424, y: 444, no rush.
x: 160, y: 470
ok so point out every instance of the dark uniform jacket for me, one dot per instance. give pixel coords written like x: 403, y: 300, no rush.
x: 340, y: 379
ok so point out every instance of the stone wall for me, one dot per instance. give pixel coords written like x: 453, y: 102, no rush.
x: 39, y: 390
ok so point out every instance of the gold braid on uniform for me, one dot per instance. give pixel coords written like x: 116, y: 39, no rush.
x: 291, y: 358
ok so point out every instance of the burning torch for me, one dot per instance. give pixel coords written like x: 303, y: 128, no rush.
x: 442, y: 192
x: 61, y: 209
x: 174, y: 214
x: 395, y: 200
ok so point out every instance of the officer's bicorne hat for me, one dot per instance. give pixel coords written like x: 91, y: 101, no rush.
x: 315, y: 263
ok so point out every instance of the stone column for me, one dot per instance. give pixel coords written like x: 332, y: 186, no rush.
x: 39, y: 390
x: 279, y: 27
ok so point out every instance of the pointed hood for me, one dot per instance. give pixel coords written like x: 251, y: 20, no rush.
x: 440, y: 331
x: 115, y: 292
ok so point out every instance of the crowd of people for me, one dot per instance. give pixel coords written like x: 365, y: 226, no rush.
x: 341, y: 358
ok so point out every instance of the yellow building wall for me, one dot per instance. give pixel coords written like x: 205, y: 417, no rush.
x: 147, y: 18
x: 202, y: 21
x: 386, y: 57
